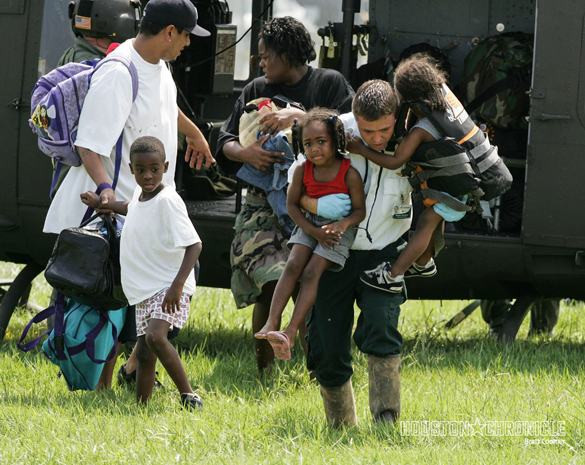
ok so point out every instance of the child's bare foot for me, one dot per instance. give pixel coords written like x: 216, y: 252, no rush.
x: 280, y: 343
x: 265, y: 330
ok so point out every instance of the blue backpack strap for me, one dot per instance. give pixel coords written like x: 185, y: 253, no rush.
x: 59, y: 328
x: 58, y: 308
x: 41, y: 316
x: 118, y: 160
x: 89, y: 344
x: 55, y: 177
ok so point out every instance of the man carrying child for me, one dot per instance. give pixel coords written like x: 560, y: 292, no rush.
x: 379, y: 237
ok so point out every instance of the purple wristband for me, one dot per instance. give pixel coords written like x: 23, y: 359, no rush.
x: 102, y: 187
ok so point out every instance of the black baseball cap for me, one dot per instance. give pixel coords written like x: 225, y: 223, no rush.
x: 179, y: 13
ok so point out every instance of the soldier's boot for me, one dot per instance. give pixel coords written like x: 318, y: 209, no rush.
x: 384, y: 373
x: 339, y: 405
x: 544, y: 315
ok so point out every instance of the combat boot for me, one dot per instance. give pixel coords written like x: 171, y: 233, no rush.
x: 384, y: 373
x: 339, y: 405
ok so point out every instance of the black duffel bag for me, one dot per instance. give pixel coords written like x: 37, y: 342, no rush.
x: 85, y: 266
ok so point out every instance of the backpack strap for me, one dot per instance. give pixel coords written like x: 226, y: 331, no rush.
x: 55, y: 177
x: 89, y: 344
x: 125, y: 61
x: 59, y: 328
x: 57, y: 309
x: 118, y: 161
x: 41, y: 316
x: 514, y: 79
x: 437, y: 196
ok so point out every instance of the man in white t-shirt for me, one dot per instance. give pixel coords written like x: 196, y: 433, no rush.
x: 108, y: 109
x: 388, y: 217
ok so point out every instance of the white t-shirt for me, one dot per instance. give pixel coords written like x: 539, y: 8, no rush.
x: 106, y: 111
x: 388, y: 203
x: 153, y: 243
x: 424, y: 123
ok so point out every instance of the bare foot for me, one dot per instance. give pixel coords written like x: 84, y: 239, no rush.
x: 280, y: 343
x: 265, y: 330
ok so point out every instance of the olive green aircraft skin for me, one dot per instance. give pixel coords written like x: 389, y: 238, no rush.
x: 546, y: 259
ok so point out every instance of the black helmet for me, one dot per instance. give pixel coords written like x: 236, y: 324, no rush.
x: 116, y: 19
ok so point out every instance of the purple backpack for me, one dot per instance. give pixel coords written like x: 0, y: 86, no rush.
x: 56, y: 104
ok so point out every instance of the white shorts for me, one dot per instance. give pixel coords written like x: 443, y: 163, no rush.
x: 152, y: 308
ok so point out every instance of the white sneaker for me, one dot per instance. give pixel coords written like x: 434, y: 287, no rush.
x: 380, y: 278
x: 418, y: 271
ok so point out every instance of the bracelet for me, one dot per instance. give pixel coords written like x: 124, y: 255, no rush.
x: 102, y: 187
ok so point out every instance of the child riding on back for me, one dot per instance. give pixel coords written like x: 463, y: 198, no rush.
x: 417, y: 79
x: 317, y: 243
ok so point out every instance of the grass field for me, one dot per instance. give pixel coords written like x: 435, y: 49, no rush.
x: 465, y: 399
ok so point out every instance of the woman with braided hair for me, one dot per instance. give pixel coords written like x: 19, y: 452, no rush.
x: 259, y: 253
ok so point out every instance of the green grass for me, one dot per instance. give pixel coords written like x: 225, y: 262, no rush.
x: 455, y: 376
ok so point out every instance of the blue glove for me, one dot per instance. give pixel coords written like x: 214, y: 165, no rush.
x: 448, y: 213
x: 334, y: 206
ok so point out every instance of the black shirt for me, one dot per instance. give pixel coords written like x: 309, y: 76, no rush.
x: 318, y: 88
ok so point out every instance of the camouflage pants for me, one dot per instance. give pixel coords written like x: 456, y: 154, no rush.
x: 259, y: 253
x: 544, y: 314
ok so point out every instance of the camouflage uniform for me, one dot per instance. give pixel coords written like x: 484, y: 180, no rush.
x: 503, y: 58
x: 259, y: 251
x: 82, y: 50
x: 544, y: 315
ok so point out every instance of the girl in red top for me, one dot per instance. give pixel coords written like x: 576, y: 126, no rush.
x: 316, y: 243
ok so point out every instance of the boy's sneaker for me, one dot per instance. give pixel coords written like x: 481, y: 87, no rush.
x: 424, y: 271
x: 127, y: 379
x: 380, y: 278
x: 191, y: 401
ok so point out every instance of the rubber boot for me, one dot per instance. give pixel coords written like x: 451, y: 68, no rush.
x: 339, y: 405
x: 384, y: 373
x: 544, y: 315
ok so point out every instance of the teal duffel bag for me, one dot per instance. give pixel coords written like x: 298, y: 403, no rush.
x: 82, y: 340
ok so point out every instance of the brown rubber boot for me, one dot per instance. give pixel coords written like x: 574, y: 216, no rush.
x: 339, y: 405
x: 384, y: 373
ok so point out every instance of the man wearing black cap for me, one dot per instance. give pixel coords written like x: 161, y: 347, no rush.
x: 109, y: 109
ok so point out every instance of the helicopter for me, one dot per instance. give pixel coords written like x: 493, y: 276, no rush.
x: 543, y: 257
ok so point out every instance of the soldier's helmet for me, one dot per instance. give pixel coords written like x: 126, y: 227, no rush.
x: 116, y: 19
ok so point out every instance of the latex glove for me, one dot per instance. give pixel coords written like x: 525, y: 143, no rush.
x: 334, y: 206
x: 448, y: 213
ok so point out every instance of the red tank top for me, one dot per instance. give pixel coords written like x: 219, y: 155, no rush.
x: 321, y: 189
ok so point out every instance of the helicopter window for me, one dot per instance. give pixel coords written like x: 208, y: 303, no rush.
x: 56, y: 35
x: 242, y: 17
x: 315, y: 14
x: 312, y: 13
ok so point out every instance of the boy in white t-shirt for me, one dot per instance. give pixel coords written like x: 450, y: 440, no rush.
x: 159, y: 248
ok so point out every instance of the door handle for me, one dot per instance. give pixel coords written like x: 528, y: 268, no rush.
x: 545, y: 117
x: 16, y: 104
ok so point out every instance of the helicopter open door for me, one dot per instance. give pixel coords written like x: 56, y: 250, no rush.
x: 554, y: 182
x: 13, y: 30
x: 38, y: 32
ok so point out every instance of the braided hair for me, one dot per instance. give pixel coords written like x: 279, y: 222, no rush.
x: 288, y: 39
x: 419, y: 79
x: 331, y: 121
